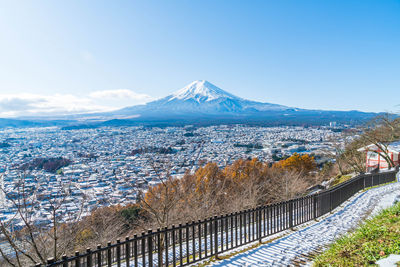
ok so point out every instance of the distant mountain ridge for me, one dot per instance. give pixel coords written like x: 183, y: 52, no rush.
x: 200, y: 103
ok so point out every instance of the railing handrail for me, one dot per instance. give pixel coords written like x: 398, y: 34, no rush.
x: 274, y: 217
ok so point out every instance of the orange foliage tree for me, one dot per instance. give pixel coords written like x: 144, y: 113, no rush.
x: 299, y: 163
x: 212, y: 190
x: 161, y: 199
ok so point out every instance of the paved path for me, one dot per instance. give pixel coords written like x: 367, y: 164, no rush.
x: 295, y: 249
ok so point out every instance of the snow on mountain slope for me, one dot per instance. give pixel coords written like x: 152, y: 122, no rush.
x: 201, y: 91
x: 202, y: 97
x: 201, y: 100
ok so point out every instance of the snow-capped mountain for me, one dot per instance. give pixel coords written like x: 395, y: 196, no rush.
x: 201, y: 91
x: 201, y: 97
x: 202, y: 103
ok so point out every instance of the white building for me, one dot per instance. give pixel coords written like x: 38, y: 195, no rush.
x: 375, y: 155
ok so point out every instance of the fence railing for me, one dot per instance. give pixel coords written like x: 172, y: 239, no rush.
x: 188, y: 243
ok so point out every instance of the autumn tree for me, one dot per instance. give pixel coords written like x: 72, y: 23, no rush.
x: 204, y: 193
x: 299, y: 163
x: 212, y: 190
x: 243, y: 184
x: 160, y: 200
x: 250, y: 182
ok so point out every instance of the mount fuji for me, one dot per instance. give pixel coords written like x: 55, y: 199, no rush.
x: 201, y: 98
x: 202, y: 103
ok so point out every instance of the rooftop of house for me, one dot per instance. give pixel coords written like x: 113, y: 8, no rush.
x: 392, y: 147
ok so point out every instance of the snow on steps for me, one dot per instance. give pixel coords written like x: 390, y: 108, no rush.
x: 298, y: 248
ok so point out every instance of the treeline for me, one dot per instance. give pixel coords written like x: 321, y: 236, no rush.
x: 213, y: 191
x: 150, y: 149
x: 46, y: 164
x: 249, y: 146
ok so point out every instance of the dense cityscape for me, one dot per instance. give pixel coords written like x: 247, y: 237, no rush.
x: 108, y: 166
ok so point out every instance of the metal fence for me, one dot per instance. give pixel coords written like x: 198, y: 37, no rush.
x: 191, y: 242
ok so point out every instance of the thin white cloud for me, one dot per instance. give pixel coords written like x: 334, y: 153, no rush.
x: 23, y: 104
x: 120, y: 94
x: 12, y: 105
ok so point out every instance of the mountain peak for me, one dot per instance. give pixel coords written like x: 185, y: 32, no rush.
x: 201, y: 91
x: 202, y: 97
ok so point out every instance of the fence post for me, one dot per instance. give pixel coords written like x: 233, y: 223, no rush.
x: 364, y: 181
x: 173, y: 241
x: 127, y: 251
x: 99, y: 261
x: 109, y: 254
x: 89, y: 257
x: 180, y: 245
x: 193, y: 241
x: 118, y: 248
x: 166, y: 246
x: 150, y: 247
x: 143, y: 248
x: 216, y: 236
x: 64, y: 258
x: 135, y: 250
x: 259, y: 220
x: 199, y: 236
x: 315, y: 206
x: 159, y: 248
x: 77, y: 260
x: 291, y: 211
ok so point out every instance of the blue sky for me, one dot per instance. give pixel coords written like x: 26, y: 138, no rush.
x: 73, y: 56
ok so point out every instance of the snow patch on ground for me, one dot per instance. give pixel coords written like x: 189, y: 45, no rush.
x: 389, y: 261
x: 298, y: 246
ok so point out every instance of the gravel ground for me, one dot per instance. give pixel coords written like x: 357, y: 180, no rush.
x: 297, y: 248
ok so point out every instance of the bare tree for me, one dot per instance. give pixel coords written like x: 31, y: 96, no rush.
x: 288, y: 185
x: 339, y: 148
x: 381, y: 132
x: 31, y: 237
x: 347, y: 157
x: 160, y: 199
